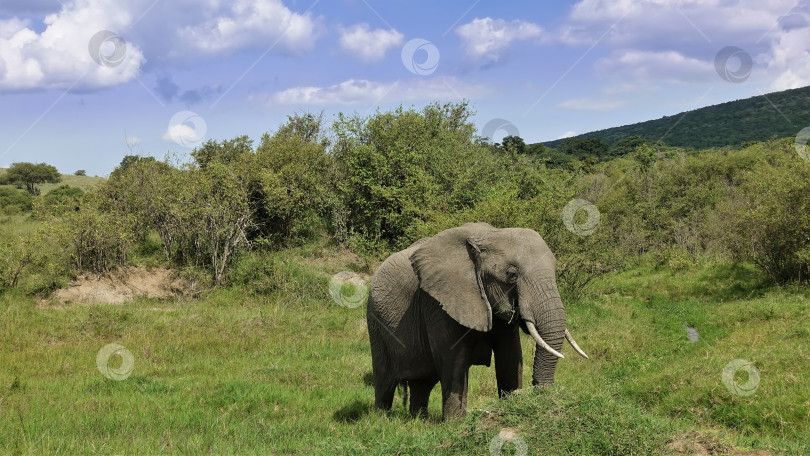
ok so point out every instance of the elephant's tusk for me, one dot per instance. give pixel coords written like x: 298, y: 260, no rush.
x: 540, y: 341
x: 574, y: 344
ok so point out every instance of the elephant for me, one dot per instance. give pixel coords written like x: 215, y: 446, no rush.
x: 454, y: 300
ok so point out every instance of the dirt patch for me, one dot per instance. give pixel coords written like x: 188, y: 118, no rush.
x: 122, y: 285
x: 695, y: 444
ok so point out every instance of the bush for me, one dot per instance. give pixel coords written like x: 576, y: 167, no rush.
x: 13, y: 201
x: 291, y: 179
x: 58, y: 202
x: 768, y: 220
x: 397, y: 169
x: 97, y: 240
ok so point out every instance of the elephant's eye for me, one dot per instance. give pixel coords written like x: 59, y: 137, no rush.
x: 511, y: 274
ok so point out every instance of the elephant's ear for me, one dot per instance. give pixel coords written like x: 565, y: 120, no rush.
x: 446, y: 270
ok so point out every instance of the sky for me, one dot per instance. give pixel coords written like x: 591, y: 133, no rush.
x: 85, y: 82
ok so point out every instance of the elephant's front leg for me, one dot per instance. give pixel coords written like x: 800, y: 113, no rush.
x: 454, y: 389
x: 420, y: 396
x: 505, y: 343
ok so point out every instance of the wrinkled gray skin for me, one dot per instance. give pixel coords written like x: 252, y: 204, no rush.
x: 428, y: 320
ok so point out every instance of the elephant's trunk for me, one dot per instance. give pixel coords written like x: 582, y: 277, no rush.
x: 540, y: 305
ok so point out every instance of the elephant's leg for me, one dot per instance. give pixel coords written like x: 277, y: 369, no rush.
x: 385, y: 383
x: 508, y: 360
x: 420, y: 396
x: 384, y: 394
x: 454, y: 394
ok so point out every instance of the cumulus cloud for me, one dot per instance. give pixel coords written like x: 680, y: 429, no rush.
x: 361, y: 91
x: 369, y: 45
x: 62, y: 56
x: 677, y: 40
x: 788, y: 58
x: 663, y: 66
x: 487, y: 38
x: 180, y: 134
x: 251, y: 23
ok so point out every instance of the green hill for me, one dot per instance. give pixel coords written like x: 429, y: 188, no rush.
x: 82, y: 182
x: 779, y: 114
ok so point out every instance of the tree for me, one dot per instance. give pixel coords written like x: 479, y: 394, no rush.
x: 30, y: 175
x: 80, y: 172
x: 536, y: 149
x: 582, y: 147
x: 514, y: 144
x: 224, y: 152
x: 126, y: 162
x: 397, y: 169
x: 627, y: 145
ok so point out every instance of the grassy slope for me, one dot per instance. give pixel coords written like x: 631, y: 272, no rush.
x: 287, y: 373
x: 757, y: 118
x: 83, y: 182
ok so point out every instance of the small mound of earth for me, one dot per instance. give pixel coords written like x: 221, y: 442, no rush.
x: 122, y: 285
x: 694, y: 444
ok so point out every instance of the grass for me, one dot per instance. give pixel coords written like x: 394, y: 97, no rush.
x: 83, y: 182
x: 279, y: 368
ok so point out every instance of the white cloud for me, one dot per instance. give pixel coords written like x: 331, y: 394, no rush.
x: 361, y: 91
x: 181, y: 134
x: 788, y: 60
x: 246, y: 23
x: 487, y: 38
x: 676, y: 41
x: 369, y: 45
x: 567, y: 134
x: 60, y: 56
x: 592, y: 104
x: 663, y: 66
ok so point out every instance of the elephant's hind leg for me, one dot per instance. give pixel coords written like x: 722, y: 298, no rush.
x: 420, y: 396
x: 384, y: 394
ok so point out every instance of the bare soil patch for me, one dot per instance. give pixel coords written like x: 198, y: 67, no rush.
x: 123, y: 285
x: 695, y: 444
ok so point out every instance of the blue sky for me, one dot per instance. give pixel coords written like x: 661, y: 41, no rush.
x: 85, y: 82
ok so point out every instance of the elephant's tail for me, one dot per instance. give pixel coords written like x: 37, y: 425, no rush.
x: 404, y: 385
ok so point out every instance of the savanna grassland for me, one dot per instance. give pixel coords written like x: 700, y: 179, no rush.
x: 257, y: 356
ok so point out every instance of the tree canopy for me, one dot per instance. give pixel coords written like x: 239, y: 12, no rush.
x: 30, y: 175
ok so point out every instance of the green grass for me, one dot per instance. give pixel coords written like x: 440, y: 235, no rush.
x: 83, y: 182
x: 286, y: 371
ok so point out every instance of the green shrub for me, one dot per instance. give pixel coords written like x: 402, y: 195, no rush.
x: 768, y: 220
x: 396, y: 169
x: 58, y: 201
x: 13, y: 201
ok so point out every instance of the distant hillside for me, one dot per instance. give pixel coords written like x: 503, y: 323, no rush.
x: 83, y: 182
x: 779, y: 114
